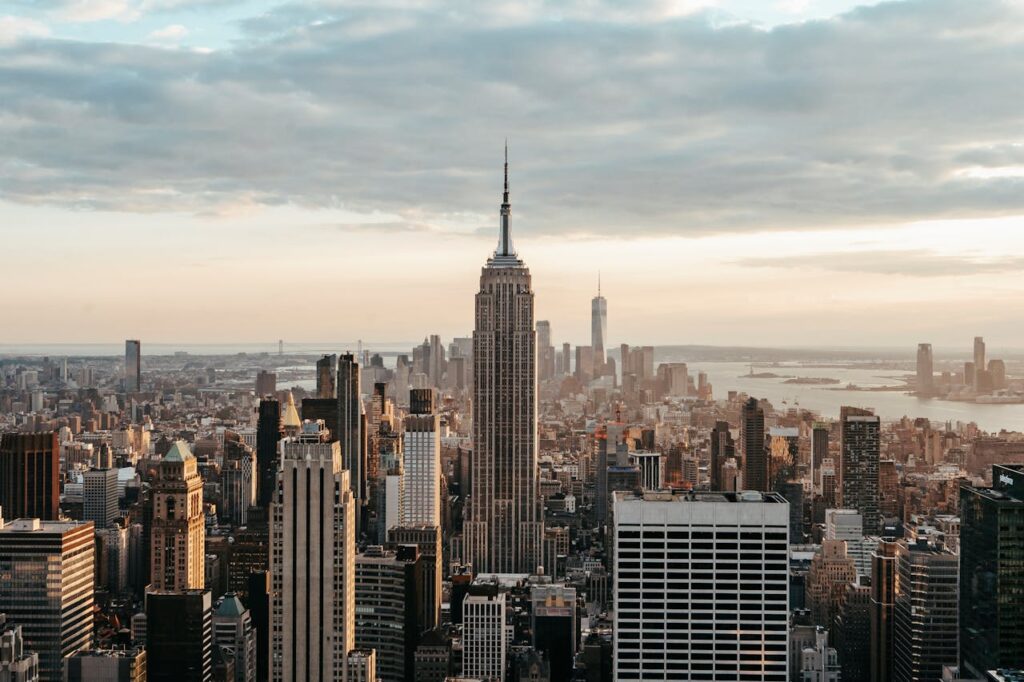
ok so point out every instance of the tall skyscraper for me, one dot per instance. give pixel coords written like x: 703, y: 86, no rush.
x: 326, y: 377
x: 388, y: 608
x: 312, y: 561
x: 351, y: 431
x: 598, y: 329
x: 979, y: 354
x: 755, y: 457
x: 132, y: 366
x: 925, y: 370
x: 545, y: 351
x: 505, y: 527
x: 178, y: 534
x: 883, y: 604
x: 714, y: 598
x: 861, y: 448
x: 238, y: 479
x: 268, y: 433
x: 47, y: 572
x: 422, y: 466
x: 266, y: 383
x: 925, y: 612
x: 722, y: 448
x: 992, y: 572
x: 99, y: 496
x: 820, y: 432
x: 29, y: 475
x: 179, y: 635
x: 428, y: 540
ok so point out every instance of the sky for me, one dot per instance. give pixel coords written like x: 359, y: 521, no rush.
x: 741, y: 172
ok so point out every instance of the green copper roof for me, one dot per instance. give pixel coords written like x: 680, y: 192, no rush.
x: 179, y: 452
x: 230, y: 607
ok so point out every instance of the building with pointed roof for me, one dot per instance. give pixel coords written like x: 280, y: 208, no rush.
x: 235, y: 634
x: 290, y: 416
x: 177, y: 539
x: 505, y: 527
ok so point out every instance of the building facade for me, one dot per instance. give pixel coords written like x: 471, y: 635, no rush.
x: 694, y: 571
x: 992, y: 572
x: 179, y: 635
x: 29, y: 475
x: 484, y: 636
x: 47, y: 588
x: 421, y: 504
x: 925, y: 620
x: 178, y: 534
x: 859, y: 463
x: 312, y: 560
x: 505, y: 526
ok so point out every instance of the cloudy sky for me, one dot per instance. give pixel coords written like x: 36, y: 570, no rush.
x: 757, y: 172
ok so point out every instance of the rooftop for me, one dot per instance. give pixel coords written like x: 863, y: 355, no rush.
x: 691, y: 496
x: 179, y: 452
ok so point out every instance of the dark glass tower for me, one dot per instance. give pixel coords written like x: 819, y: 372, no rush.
x: 992, y: 572
x: 722, y: 448
x: 29, y: 469
x: 268, y: 433
x: 861, y: 446
x: 755, y: 458
x: 179, y: 636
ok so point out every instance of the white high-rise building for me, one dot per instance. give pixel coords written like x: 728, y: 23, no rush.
x: 848, y: 525
x: 505, y: 526
x: 394, y: 498
x: 484, y: 641
x: 421, y: 503
x: 312, y: 560
x: 701, y: 590
x: 99, y: 496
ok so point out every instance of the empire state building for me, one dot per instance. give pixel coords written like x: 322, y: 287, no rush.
x: 505, y: 527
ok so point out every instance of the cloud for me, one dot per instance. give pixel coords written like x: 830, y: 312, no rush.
x: 14, y: 28
x: 910, y: 263
x: 172, y: 33
x: 86, y: 11
x: 658, y: 119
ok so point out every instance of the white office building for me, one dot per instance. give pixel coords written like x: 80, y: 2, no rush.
x: 99, y: 496
x: 484, y: 641
x: 312, y: 560
x: 421, y: 497
x: 848, y: 524
x: 701, y: 586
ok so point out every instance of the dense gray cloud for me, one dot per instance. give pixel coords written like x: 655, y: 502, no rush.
x: 910, y: 263
x: 631, y: 125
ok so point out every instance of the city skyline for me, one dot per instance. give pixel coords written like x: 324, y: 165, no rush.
x: 668, y: 179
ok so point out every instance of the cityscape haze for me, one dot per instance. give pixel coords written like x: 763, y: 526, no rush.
x: 737, y: 395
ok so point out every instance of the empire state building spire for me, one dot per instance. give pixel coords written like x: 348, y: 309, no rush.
x: 505, y: 253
